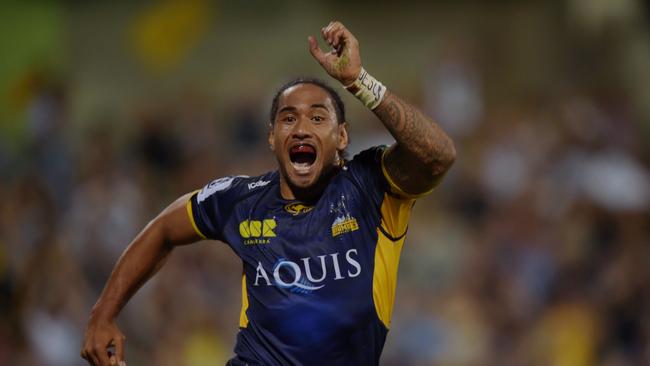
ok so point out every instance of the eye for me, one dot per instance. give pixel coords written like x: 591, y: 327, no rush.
x: 318, y: 119
x: 289, y: 118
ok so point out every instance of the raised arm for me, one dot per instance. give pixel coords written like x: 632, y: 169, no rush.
x: 141, y: 260
x: 423, y: 152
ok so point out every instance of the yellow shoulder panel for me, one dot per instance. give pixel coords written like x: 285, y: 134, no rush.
x: 395, y: 213
x: 190, y: 214
x: 243, y: 318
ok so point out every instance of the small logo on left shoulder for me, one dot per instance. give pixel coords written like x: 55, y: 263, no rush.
x: 259, y: 183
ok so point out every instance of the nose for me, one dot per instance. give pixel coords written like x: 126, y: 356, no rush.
x: 302, y: 129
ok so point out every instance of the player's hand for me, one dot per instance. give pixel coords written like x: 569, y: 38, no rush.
x: 100, y: 335
x: 343, y: 62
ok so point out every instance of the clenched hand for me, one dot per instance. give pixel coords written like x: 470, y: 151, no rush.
x: 343, y: 62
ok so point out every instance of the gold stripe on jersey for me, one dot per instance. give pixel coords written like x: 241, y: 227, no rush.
x: 190, y: 214
x: 243, y: 318
x: 395, y: 214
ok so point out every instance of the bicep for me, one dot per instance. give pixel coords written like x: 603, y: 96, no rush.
x: 177, y: 223
x: 406, y: 174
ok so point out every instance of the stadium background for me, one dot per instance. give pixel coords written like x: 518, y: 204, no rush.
x: 535, y: 250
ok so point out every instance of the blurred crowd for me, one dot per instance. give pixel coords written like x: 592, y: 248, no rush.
x: 535, y: 249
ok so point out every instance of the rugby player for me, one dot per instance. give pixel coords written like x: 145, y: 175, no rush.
x: 319, y: 239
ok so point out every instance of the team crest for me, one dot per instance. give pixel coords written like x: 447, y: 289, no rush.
x: 297, y: 208
x: 344, y: 222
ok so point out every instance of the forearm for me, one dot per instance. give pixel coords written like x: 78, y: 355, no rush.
x: 144, y: 256
x: 416, y: 134
x: 423, y: 152
x: 141, y: 260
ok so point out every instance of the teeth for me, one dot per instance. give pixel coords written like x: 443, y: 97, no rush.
x: 301, y: 167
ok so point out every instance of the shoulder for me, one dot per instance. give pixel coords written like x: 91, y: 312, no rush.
x: 236, y: 187
x: 364, y: 171
x: 366, y: 165
x: 371, y: 156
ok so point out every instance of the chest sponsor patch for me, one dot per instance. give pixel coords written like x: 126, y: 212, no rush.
x: 257, y: 231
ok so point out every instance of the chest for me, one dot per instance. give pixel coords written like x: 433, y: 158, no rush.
x: 338, y: 218
x: 325, y: 251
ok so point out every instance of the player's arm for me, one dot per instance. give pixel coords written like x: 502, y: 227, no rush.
x: 423, y: 152
x: 141, y: 260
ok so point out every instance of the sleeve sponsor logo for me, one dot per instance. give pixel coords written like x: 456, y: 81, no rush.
x: 216, y: 186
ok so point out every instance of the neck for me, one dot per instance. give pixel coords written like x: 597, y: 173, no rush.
x: 309, y: 194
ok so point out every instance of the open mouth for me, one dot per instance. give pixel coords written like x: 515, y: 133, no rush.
x: 302, y: 156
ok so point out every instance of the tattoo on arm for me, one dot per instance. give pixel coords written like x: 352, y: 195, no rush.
x: 423, y: 152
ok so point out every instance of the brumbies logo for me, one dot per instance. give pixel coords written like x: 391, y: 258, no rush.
x: 257, y: 231
x: 344, y: 222
x: 297, y: 208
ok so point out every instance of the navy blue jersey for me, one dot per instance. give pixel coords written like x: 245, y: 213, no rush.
x: 318, y: 281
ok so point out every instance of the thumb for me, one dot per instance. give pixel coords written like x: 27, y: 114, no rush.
x: 315, y: 50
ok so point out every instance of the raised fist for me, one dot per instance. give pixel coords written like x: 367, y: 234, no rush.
x: 343, y: 62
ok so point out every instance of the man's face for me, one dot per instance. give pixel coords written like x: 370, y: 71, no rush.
x: 306, y: 135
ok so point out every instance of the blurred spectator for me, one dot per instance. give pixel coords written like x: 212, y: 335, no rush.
x: 534, y: 250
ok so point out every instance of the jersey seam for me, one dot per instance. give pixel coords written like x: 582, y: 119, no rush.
x: 389, y: 236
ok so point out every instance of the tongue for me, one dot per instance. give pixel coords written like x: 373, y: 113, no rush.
x: 302, y: 149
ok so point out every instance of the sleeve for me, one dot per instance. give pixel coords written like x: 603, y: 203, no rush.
x: 393, y: 187
x: 368, y: 168
x: 209, y: 208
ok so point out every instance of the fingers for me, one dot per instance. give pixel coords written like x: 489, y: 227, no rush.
x: 88, y: 353
x: 315, y: 50
x: 98, y: 355
x: 102, y: 356
x: 338, y: 41
x: 336, y: 35
x: 103, y: 344
x: 93, y: 359
x: 119, y: 349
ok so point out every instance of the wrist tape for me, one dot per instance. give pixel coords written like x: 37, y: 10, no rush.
x: 367, y: 89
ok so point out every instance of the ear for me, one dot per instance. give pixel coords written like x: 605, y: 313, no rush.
x: 271, y: 137
x: 343, y: 136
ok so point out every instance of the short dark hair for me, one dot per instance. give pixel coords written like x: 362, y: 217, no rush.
x: 339, y: 107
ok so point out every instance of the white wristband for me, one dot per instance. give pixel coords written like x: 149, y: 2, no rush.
x: 367, y: 89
